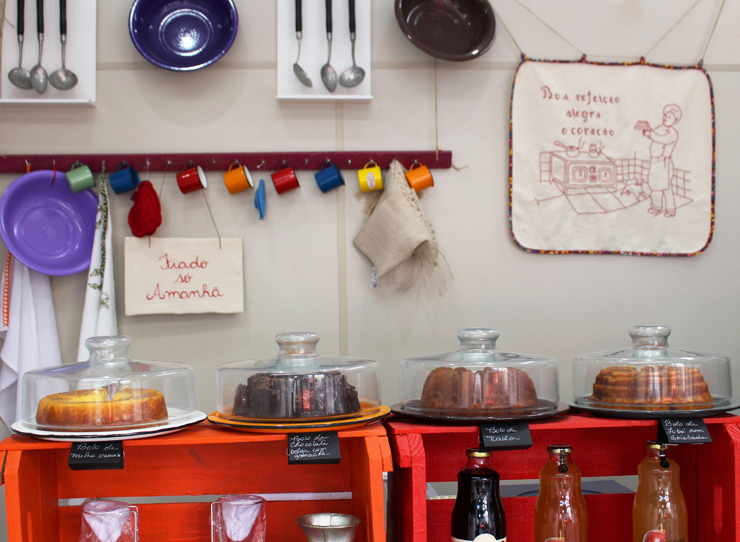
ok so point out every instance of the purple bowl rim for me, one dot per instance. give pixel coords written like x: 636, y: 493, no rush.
x: 148, y: 57
x: 440, y: 54
x: 19, y: 255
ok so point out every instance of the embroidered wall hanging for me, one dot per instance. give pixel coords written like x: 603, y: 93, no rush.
x: 183, y: 276
x: 612, y: 158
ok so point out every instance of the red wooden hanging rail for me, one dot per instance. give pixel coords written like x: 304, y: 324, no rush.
x: 258, y: 161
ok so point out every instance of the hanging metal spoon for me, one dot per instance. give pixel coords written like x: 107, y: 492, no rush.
x: 18, y: 76
x: 328, y: 75
x: 300, y: 72
x: 63, y: 79
x: 351, y: 77
x: 39, y: 77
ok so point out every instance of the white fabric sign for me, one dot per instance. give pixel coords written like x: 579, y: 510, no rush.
x: 615, y: 159
x: 183, y: 276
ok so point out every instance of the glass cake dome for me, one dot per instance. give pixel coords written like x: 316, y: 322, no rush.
x: 107, y: 392
x: 479, y: 381
x: 650, y: 375
x: 298, y: 385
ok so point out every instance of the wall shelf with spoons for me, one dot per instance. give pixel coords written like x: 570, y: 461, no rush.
x: 314, y: 49
x: 80, y: 51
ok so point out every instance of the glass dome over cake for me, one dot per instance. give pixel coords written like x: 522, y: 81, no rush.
x: 477, y: 380
x: 298, y: 385
x: 107, y: 392
x: 650, y: 375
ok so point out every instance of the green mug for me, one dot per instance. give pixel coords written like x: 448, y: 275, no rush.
x: 80, y: 178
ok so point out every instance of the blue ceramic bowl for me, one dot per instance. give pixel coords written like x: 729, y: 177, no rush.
x: 183, y: 35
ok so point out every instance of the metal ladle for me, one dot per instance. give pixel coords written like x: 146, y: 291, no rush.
x: 39, y: 78
x: 351, y: 77
x: 300, y: 72
x: 328, y: 75
x: 63, y: 79
x: 18, y: 76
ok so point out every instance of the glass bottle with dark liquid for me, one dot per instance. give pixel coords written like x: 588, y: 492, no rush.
x: 478, y: 515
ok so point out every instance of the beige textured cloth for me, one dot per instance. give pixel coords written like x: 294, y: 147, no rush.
x: 396, y: 229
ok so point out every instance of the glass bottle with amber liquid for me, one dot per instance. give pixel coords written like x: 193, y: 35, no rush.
x: 659, y: 511
x: 560, y: 512
x: 478, y: 514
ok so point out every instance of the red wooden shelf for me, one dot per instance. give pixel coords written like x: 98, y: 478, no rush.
x: 202, y: 460
x: 710, y: 475
x: 255, y: 161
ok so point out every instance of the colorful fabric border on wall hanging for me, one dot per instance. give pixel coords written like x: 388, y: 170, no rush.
x: 612, y: 158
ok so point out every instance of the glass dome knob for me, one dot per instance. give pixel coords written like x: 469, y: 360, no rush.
x: 297, y: 348
x: 476, y: 339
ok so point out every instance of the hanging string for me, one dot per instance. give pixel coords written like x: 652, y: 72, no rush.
x: 711, y: 35
x: 499, y: 19
x: 671, y: 28
x: 164, y: 175
x: 436, y: 117
x: 550, y: 27
x: 212, y: 219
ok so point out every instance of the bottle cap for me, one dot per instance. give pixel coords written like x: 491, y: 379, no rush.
x: 653, y: 445
x: 475, y: 452
x: 557, y: 448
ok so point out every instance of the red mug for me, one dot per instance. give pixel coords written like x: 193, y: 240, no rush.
x: 284, y: 179
x: 191, y: 179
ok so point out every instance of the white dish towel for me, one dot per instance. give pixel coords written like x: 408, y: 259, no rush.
x: 99, y: 313
x: 29, y: 328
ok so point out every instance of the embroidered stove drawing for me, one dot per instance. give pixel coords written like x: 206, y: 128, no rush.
x: 593, y: 182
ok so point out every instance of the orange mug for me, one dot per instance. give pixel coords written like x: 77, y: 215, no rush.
x: 419, y: 177
x: 238, y: 178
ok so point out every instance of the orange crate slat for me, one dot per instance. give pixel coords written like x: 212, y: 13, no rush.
x: 180, y: 522
x: 211, y: 469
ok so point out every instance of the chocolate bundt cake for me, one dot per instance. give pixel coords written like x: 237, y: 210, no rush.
x: 295, y: 396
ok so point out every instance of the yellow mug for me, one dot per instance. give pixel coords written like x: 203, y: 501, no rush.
x: 238, y: 178
x: 419, y: 177
x: 370, y: 177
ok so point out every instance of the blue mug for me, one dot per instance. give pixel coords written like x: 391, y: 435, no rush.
x: 329, y: 177
x: 125, y: 178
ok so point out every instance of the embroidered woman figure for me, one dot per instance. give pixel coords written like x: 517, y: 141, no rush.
x: 663, y: 141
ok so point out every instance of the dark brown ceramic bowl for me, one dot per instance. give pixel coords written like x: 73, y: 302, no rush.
x: 448, y: 29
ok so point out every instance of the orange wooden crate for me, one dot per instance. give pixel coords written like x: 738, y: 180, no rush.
x: 201, y: 460
x: 710, y: 475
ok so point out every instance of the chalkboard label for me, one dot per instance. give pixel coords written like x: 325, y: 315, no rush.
x: 313, y: 448
x: 683, y: 431
x: 506, y: 436
x: 96, y: 455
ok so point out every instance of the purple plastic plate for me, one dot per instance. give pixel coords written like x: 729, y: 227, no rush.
x: 47, y: 227
x: 183, y: 35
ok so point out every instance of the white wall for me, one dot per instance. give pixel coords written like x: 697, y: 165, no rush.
x: 301, y: 269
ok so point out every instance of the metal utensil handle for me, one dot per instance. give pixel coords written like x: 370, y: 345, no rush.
x: 21, y: 20
x: 328, y: 17
x: 298, y: 16
x: 40, y: 16
x: 351, y: 16
x: 63, y: 17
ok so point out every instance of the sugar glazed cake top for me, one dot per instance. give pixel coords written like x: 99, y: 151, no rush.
x: 268, y: 395
x: 448, y: 388
x: 652, y: 385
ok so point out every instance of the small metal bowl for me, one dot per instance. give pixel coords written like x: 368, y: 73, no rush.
x: 183, y: 35
x: 329, y: 527
x: 454, y: 30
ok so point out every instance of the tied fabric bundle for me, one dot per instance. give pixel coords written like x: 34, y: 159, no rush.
x: 146, y: 214
x: 397, y: 229
x: 106, y: 521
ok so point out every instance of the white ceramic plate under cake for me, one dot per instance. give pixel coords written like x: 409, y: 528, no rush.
x: 123, y: 434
